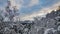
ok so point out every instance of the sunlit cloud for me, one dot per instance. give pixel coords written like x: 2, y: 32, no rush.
x: 33, y: 5
x: 41, y: 12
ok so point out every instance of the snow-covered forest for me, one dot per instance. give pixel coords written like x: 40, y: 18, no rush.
x: 10, y: 22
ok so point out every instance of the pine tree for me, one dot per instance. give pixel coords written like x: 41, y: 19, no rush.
x: 11, y: 11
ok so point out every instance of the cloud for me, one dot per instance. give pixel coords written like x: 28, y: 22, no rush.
x: 21, y: 3
x: 33, y: 2
x: 41, y: 12
x: 16, y: 3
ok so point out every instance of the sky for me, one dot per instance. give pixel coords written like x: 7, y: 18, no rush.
x: 32, y: 8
